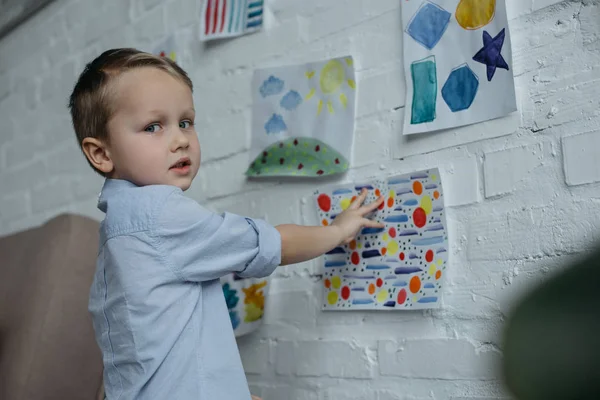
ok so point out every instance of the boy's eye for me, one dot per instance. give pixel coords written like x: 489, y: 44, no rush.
x: 153, y: 128
x: 185, y: 124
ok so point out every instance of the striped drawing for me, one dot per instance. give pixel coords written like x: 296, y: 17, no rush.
x: 228, y: 18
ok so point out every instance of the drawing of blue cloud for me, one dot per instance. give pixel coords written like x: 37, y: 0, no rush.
x: 275, y: 124
x: 271, y: 86
x: 291, y: 100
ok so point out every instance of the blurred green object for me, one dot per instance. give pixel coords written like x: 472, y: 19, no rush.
x: 552, y: 338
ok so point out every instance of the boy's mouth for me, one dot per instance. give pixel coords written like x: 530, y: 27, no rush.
x: 182, y: 163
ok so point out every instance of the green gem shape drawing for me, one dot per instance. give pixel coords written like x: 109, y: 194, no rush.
x: 424, y: 90
x: 305, y: 157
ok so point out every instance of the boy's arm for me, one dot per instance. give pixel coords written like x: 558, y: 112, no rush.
x: 303, y: 243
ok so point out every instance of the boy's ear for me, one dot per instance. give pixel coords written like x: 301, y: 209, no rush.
x: 97, y: 153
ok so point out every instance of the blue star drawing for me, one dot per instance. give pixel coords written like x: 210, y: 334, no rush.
x: 490, y: 53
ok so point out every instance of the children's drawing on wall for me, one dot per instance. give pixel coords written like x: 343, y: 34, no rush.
x: 245, y: 300
x: 167, y: 48
x: 303, y: 119
x: 458, y: 63
x: 399, y: 267
x: 230, y: 18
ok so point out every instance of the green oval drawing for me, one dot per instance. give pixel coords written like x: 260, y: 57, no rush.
x: 305, y: 157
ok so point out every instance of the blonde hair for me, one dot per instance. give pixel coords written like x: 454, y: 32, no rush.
x: 90, y: 104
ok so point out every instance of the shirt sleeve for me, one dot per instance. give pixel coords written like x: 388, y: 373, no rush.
x: 200, y: 245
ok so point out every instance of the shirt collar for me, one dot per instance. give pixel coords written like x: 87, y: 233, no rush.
x: 110, y: 188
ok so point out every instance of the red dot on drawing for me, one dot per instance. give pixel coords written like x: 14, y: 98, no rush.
x: 390, y: 202
x: 265, y: 154
x: 327, y: 283
x: 162, y: 53
x: 419, y: 217
x: 379, y: 282
x: 281, y: 161
x: 345, y: 293
x: 381, y: 206
x: 402, y: 256
x: 337, y: 160
x: 402, y: 295
x: 392, y: 232
x: 320, y: 172
x: 317, y: 148
x: 355, y: 258
x: 295, y: 142
x: 429, y: 256
x: 324, y: 202
x: 300, y: 166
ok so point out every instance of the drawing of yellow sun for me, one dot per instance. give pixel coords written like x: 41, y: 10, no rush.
x: 331, y: 79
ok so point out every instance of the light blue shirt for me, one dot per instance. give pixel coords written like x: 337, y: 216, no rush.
x: 157, y: 305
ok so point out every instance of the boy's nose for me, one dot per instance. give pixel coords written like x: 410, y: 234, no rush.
x: 179, y: 140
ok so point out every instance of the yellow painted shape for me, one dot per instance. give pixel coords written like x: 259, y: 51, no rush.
x: 253, y: 313
x: 475, y: 14
x: 349, y: 61
x: 426, y: 204
x: 332, y: 76
x: 320, y: 107
x: 392, y: 247
x: 343, y: 100
x: 439, y: 261
x: 309, y: 74
x: 432, y: 269
x: 385, y: 237
x: 254, y: 295
x: 330, y: 107
x: 392, y: 194
x: 352, y: 83
x: 382, y: 295
x: 345, y: 203
x: 332, y: 298
x: 310, y: 94
x: 336, y: 282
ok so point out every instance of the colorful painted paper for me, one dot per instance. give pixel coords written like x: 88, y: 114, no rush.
x: 303, y: 119
x: 399, y: 267
x: 167, y: 48
x: 458, y: 63
x: 229, y: 18
x: 245, y: 299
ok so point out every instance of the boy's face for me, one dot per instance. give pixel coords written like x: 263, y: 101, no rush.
x: 152, y: 134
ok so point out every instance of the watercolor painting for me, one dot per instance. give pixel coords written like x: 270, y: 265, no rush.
x: 245, y: 299
x: 229, y: 18
x: 399, y: 267
x: 458, y: 61
x: 303, y: 119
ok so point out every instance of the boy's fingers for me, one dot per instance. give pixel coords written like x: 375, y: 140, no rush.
x: 373, y: 224
x: 372, y: 206
x: 359, y: 200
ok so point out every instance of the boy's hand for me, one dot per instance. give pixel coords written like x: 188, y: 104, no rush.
x: 352, y: 220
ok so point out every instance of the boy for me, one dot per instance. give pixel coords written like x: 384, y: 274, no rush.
x: 157, y: 306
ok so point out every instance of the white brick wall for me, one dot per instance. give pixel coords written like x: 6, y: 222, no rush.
x: 521, y: 191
